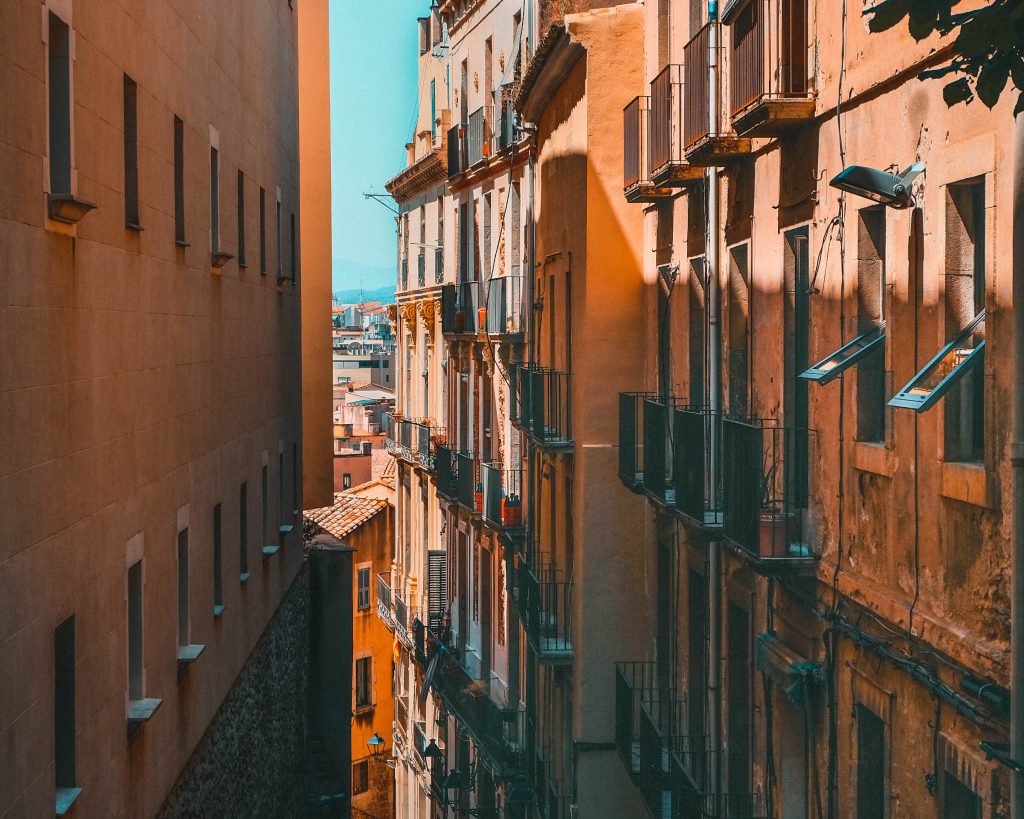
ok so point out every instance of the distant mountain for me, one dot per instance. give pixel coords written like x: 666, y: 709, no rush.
x: 385, y: 295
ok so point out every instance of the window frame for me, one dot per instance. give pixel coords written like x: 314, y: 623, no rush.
x: 366, y: 703
x: 361, y: 592
x: 848, y: 355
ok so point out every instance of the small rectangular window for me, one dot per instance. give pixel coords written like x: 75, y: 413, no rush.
x: 59, y: 64
x: 263, y: 231
x: 871, y: 796
x: 346, y: 480
x: 266, y: 505
x: 135, y: 681
x: 214, y: 200
x: 279, y: 246
x: 64, y: 703
x: 294, y: 255
x: 739, y: 331
x: 241, y: 218
x: 179, y: 182
x: 363, y: 588
x: 183, y: 619
x: 243, y: 529
x: 360, y: 777
x: 218, y: 576
x: 958, y: 801
x: 364, y: 694
x: 131, y: 154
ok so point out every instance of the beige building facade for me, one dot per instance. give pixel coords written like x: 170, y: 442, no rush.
x: 151, y: 476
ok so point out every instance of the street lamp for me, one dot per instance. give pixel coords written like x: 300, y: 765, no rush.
x: 376, y: 745
x: 887, y: 188
x: 432, y: 752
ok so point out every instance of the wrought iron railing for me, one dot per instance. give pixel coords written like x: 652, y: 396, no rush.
x: 438, y: 265
x: 427, y: 440
x: 769, y: 53
x: 666, y: 134
x: 631, y: 439
x: 447, y: 472
x: 507, y: 127
x: 456, y: 150
x: 402, y: 620
x: 493, y: 306
x: 635, y: 117
x: 384, y: 600
x: 503, y: 495
x: 421, y: 270
x: 466, y: 482
x: 696, y: 55
x: 390, y: 426
x: 540, y: 404
x: 658, y: 418
x: 478, y: 136
x: 545, y: 598
x: 691, y: 435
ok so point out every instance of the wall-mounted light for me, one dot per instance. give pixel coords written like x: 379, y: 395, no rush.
x: 889, y: 189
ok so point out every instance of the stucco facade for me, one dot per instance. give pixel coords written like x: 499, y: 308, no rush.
x: 150, y: 481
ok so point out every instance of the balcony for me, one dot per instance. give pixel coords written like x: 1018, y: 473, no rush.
x: 478, y: 135
x: 402, y: 621
x: 457, y: 163
x: 545, y: 604
x: 467, y: 483
x: 669, y: 167
x: 438, y: 265
x: 769, y: 92
x: 540, y: 405
x: 691, y: 434
x: 765, y: 496
x: 636, y: 176
x: 421, y: 270
x: 384, y: 601
x: 668, y: 767
x: 507, y: 126
x: 398, y: 437
x: 427, y: 439
x: 733, y: 806
x: 704, y: 142
x: 493, y: 307
x: 503, y: 496
x: 447, y: 465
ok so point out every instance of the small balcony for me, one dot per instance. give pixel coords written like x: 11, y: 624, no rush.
x: 427, y: 439
x: 636, y: 174
x: 478, y: 135
x: 669, y: 166
x: 493, y: 307
x: 421, y: 270
x: 704, y: 142
x: 668, y: 767
x: 507, y: 126
x: 545, y: 604
x: 503, y: 496
x: 438, y: 265
x: 765, y: 496
x: 402, y: 622
x: 468, y: 490
x: 384, y: 601
x: 540, y: 405
x: 769, y: 89
x: 398, y: 437
x: 457, y: 163
x: 447, y: 464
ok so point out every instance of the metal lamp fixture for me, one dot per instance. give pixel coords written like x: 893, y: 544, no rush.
x: 432, y: 751
x: 376, y: 745
x: 889, y: 189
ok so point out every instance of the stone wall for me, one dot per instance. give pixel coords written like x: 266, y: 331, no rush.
x: 250, y: 761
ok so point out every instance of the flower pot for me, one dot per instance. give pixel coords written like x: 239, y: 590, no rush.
x: 481, y: 320
x: 460, y: 320
x: 774, y: 532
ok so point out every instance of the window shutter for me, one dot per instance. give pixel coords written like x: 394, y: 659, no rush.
x: 437, y: 586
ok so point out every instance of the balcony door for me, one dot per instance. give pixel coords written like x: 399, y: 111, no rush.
x: 796, y: 340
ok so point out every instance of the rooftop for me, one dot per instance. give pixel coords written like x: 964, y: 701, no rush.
x: 349, y: 512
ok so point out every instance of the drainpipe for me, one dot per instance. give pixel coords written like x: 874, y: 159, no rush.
x: 715, y: 410
x: 1017, y: 465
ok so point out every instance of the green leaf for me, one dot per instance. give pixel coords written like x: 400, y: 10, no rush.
x: 886, y: 14
x: 957, y: 91
x: 992, y: 80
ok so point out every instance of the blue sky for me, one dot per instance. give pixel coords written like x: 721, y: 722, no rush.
x: 374, y: 47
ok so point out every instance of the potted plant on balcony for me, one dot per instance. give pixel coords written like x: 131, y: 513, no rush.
x: 511, y: 511
x: 774, y: 528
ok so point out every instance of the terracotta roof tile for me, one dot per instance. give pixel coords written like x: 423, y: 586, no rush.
x: 348, y: 514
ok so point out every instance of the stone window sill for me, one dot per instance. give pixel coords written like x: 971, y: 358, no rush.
x: 966, y: 482
x: 141, y: 711
x: 876, y: 458
x: 243, y: 577
x: 270, y: 551
x: 67, y: 208
x: 218, y: 610
x: 66, y: 798
x: 189, y: 654
x: 286, y: 528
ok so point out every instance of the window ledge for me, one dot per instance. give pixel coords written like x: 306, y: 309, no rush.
x: 218, y: 610
x: 286, y: 528
x: 244, y: 577
x: 242, y: 264
x: 66, y: 208
x: 874, y: 457
x: 219, y: 259
x: 966, y: 482
x: 182, y: 243
x: 66, y: 798
x: 270, y: 551
x: 141, y: 711
x: 189, y: 654
x: 359, y: 710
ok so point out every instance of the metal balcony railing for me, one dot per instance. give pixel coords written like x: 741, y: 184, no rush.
x: 540, y: 404
x: 503, y: 495
x: 635, y: 123
x: 427, y: 439
x: 447, y: 472
x: 507, y: 126
x: 666, y: 134
x: 467, y: 483
x: 405, y: 437
x: 456, y: 150
x: 769, y: 53
x: 402, y: 715
x: 405, y: 274
x: 494, y: 306
x: 402, y: 620
x: 658, y: 418
x: 421, y: 270
x: 631, y: 439
x: 692, y: 440
x: 438, y: 265
x: 478, y: 135
x: 384, y: 601
x: 390, y: 426
x: 696, y: 54
x: 765, y: 494
x: 545, y: 598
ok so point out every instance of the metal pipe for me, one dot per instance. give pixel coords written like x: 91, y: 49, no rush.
x: 715, y: 412
x: 1017, y: 467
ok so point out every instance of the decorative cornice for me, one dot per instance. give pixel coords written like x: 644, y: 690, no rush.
x: 409, y: 318
x: 426, y: 311
x: 392, y: 314
x: 426, y: 172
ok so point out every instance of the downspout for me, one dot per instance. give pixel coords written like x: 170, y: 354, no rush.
x: 715, y: 412
x: 1017, y: 466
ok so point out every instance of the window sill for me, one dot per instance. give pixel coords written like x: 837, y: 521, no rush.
x: 182, y: 243
x: 242, y: 264
x: 244, y: 577
x: 218, y: 610
x: 270, y: 551
x: 359, y: 710
x: 218, y: 259
x: 966, y: 482
x: 66, y: 208
x: 133, y: 227
x: 66, y: 798
x: 286, y: 528
x: 189, y: 654
x: 141, y: 711
x: 873, y: 457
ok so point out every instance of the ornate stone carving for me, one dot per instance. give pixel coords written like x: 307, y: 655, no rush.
x: 409, y: 318
x: 426, y: 311
x: 393, y: 319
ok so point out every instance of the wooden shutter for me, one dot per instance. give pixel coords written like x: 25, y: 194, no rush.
x: 437, y: 586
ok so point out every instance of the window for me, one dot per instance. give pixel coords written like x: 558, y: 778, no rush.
x: 218, y: 577
x: 131, y: 154
x: 294, y: 256
x: 363, y: 588
x: 241, y: 218
x: 346, y: 480
x: 433, y: 111
x: 739, y: 693
x: 364, y: 695
x: 437, y: 586
x: 183, y: 620
x: 243, y: 530
x: 487, y: 261
x: 263, y: 231
x: 179, y: 183
x: 277, y: 228
x: 739, y: 331
x: 957, y: 800
x: 64, y: 704
x: 280, y: 484
x: 59, y: 63
x: 360, y: 777
x: 463, y: 228
x: 135, y: 676
x: 214, y: 200
x: 871, y: 797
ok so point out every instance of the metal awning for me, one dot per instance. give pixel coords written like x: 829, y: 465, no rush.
x: 787, y: 669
